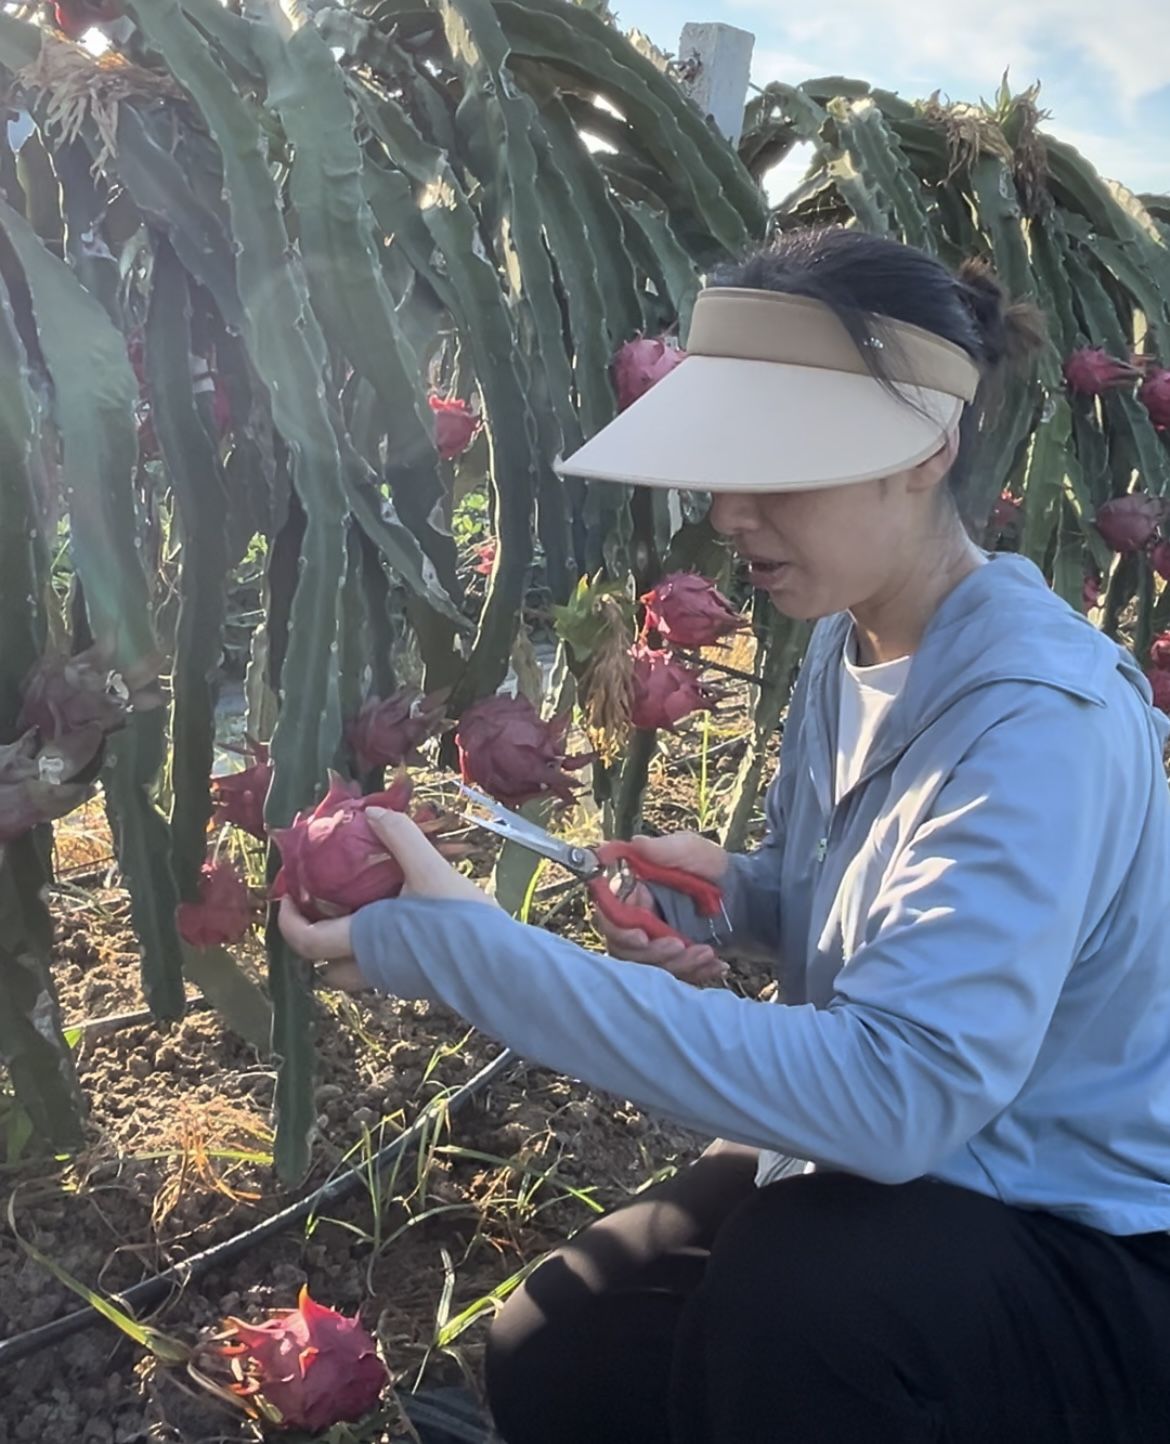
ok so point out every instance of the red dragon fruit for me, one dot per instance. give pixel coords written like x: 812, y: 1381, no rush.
x: 640, y: 364
x: 1006, y: 514
x: 507, y: 749
x: 223, y: 913
x: 42, y: 785
x: 689, y: 611
x: 1159, y: 680
x: 1091, y: 591
x: 456, y: 425
x: 1091, y: 371
x: 306, y: 1368
x: 666, y: 690
x: 239, y: 797
x: 1160, y: 651
x: 1128, y: 523
x: 385, y: 733
x: 65, y: 695
x: 1154, y: 394
x: 332, y: 861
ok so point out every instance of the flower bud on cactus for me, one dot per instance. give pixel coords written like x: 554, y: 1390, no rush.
x: 689, y: 611
x: 640, y: 364
x: 1091, y: 371
x: 239, y: 797
x: 1160, y: 559
x: 666, y: 690
x: 456, y: 425
x: 507, y: 749
x: 1154, y: 394
x: 386, y: 733
x: 223, y: 913
x: 1128, y: 523
x: 305, y: 1368
x: 332, y: 861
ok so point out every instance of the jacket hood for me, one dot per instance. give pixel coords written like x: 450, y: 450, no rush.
x: 1003, y: 623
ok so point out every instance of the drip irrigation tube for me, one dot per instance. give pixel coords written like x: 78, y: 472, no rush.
x: 151, y: 1292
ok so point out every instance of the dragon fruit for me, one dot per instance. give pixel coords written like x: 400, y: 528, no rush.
x: 1128, y: 523
x: 1160, y: 559
x: 666, y: 690
x: 332, y: 863
x: 385, y: 733
x: 1091, y: 591
x: 239, y: 797
x: 1006, y: 514
x: 1154, y: 394
x: 506, y: 748
x: 456, y: 425
x: 1091, y: 371
x: 1160, y: 651
x: 41, y: 785
x: 223, y: 913
x: 64, y: 696
x: 640, y: 364
x: 689, y: 611
x: 1159, y: 680
x: 306, y: 1368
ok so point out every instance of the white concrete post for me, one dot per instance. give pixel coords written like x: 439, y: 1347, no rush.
x: 716, y: 61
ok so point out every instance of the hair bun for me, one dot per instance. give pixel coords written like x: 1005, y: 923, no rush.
x: 1010, y: 332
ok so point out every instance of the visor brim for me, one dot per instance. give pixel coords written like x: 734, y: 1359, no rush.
x: 719, y: 423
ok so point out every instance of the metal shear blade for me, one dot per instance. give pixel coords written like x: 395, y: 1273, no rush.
x: 514, y: 828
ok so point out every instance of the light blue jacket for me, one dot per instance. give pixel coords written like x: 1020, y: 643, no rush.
x: 973, y: 945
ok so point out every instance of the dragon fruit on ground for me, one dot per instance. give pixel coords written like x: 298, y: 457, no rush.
x: 305, y: 1368
x: 688, y: 610
x: 507, y: 749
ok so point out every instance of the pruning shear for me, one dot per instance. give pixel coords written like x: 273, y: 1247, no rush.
x: 592, y: 865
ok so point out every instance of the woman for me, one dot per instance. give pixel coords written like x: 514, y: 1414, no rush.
x: 942, y: 1211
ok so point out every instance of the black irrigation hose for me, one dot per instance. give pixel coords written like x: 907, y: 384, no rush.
x: 698, y: 661
x: 151, y: 1292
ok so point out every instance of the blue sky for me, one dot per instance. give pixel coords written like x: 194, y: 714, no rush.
x: 1104, y: 69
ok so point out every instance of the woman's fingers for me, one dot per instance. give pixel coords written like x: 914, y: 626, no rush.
x: 428, y: 873
x: 317, y: 942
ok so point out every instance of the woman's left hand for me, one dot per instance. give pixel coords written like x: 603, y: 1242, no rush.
x: 427, y: 875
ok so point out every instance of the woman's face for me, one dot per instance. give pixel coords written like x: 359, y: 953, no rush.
x: 839, y: 548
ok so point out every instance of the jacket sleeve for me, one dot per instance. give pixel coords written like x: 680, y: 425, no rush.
x: 936, y: 1021
x: 751, y: 896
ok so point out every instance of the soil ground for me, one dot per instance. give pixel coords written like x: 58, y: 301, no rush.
x: 178, y: 1157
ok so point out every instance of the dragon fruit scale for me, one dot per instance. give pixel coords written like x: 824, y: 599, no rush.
x: 239, y: 797
x: 223, y: 913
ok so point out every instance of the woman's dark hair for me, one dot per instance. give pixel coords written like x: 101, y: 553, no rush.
x: 858, y: 275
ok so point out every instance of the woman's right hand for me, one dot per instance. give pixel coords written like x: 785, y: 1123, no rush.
x: 691, y: 962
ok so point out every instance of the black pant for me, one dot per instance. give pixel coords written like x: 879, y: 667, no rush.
x: 829, y: 1310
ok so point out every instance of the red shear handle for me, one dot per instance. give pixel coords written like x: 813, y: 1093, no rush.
x: 623, y: 914
x: 707, y: 896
